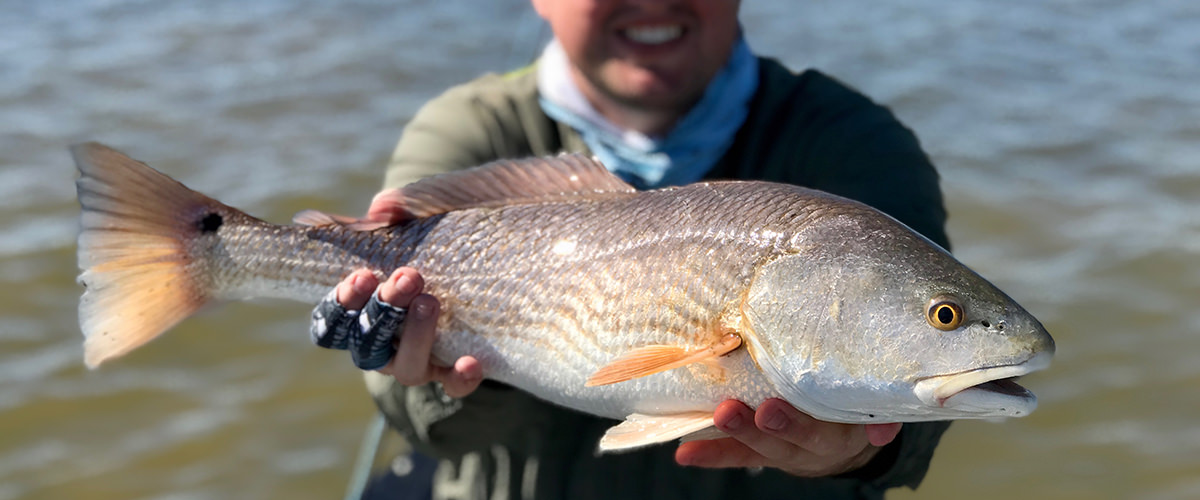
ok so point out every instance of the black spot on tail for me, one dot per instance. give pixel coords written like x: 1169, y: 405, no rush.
x: 210, y: 223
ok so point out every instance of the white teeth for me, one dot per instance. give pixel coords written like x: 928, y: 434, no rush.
x: 654, y: 35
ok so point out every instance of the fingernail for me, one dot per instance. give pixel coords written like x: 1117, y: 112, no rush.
x: 775, y: 421
x: 735, y: 422
x: 469, y: 380
x: 359, y: 284
x: 421, y: 310
x: 405, y: 285
x: 697, y: 454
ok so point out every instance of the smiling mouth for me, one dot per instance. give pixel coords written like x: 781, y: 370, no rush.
x: 994, y: 383
x: 653, y: 35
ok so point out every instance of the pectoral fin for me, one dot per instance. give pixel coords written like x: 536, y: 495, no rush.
x: 644, y: 430
x: 652, y: 359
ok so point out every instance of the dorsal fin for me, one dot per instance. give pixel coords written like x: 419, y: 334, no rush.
x: 312, y: 217
x: 499, y: 183
x: 512, y: 182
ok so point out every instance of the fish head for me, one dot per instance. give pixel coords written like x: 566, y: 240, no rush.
x: 864, y: 320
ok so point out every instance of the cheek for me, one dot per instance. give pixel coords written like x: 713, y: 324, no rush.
x: 718, y: 13
x: 721, y: 9
x: 721, y: 30
x: 570, y: 18
x: 581, y: 37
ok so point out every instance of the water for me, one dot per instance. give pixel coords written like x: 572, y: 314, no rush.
x: 1067, y: 134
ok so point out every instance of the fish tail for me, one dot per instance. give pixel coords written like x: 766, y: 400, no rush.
x: 137, y: 227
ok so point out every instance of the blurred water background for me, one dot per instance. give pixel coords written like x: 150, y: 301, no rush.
x: 1067, y: 133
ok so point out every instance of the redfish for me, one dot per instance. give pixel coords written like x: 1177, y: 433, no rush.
x: 650, y: 307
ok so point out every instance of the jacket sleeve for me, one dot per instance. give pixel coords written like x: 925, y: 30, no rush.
x: 446, y: 134
x: 487, y: 119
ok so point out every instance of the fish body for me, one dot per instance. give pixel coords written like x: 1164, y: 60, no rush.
x: 651, y: 307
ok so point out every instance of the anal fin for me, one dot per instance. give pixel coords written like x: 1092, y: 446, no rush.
x: 640, y: 430
x: 652, y: 359
x: 705, y: 434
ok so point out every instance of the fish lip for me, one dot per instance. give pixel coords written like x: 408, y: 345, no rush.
x: 936, y: 390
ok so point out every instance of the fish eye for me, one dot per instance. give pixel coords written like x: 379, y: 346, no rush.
x: 944, y: 313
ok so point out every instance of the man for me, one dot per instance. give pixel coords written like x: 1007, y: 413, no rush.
x: 664, y: 93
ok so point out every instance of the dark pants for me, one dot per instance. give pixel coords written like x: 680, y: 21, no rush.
x: 416, y: 485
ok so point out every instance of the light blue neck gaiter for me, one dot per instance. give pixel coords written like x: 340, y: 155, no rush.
x: 686, y: 153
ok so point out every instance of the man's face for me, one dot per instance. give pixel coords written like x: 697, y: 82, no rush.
x: 652, y: 54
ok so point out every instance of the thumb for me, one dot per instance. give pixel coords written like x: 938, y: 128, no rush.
x: 882, y: 434
x: 388, y: 206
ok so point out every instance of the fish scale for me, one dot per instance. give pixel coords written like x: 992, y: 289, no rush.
x: 483, y: 256
x: 652, y: 307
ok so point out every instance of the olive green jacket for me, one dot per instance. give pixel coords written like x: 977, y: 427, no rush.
x: 805, y: 129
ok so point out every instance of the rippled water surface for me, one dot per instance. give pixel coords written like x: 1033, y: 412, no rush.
x: 1067, y: 134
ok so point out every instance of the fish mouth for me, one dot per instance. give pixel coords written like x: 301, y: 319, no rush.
x: 991, y: 391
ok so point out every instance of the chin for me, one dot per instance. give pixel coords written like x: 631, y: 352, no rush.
x: 656, y: 95
x: 648, y: 88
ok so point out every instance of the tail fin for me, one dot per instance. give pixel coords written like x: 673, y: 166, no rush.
x: 136, y: 229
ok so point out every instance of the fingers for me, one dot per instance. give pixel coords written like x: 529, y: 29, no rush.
x: 759, y: 430
x: 380, y: 323
x: 333, y: 325
x: 412, y: 363
x: 747, y: 446
x: 354, y: 291
x: 780, y: 436
x: 882, y: 434
x: 462, y: 378
x: 410, y: 366
x: 718, y: 453
x: 388, y: 206
x: 385, y: 315
x: 402, y: 287
x: 371, y: 318
x: 780, y: 419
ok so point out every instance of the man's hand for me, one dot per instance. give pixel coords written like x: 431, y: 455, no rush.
x: 780, y: 436
x: 412, y: 364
